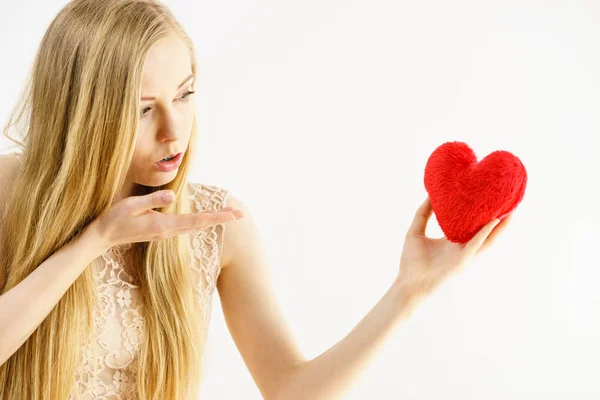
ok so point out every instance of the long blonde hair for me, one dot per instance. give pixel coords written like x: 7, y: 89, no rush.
x: 79, y: 113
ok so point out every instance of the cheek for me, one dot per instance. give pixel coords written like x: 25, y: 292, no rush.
x: 139, y: 160
x: 189, y: 122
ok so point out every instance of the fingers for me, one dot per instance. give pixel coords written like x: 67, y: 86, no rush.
x: 498, y: 229
x: 475, y: 243
x: 179, y: 222
x: 208, y: 218
x: 419, y: 223
x: 168, y: 224
x: 138, y: 204
x: 236, y: 212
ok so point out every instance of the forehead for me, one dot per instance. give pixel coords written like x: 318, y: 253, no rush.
x: 167, y: 63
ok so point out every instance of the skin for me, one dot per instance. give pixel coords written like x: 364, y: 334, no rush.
x: 166, y: 127
x: 167, y: 113
x: 427, y: 262
x: 254, y: 318
x: 257, y: 322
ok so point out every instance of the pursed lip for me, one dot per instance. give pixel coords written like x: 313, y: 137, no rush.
x: 171, y: 165
x: 172, y: 155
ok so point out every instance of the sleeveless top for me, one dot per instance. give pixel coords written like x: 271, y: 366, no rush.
x: 119, y: 316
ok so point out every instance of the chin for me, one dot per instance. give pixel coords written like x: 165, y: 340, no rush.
x: 159, y: 179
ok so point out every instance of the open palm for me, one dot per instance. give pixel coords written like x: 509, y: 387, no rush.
x: 426, y: 262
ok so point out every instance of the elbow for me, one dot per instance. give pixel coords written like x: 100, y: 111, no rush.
x: 293, y: 386
x: 284, y: 388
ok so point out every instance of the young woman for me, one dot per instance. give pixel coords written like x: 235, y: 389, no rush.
x: 105, y: 284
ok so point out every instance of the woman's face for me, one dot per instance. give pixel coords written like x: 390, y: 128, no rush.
x: 166, y: 113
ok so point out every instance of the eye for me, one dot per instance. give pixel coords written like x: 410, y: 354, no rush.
x: 183, y: 99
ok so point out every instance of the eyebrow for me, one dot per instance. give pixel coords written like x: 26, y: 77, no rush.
x: 180, y: 85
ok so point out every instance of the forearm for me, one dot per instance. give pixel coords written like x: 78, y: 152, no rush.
x: 24, y: 307
x: 330, y: 375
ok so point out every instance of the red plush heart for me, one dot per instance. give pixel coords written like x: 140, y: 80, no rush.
x: 466, y: 194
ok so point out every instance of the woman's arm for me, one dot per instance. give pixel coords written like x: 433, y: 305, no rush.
x: 332, y: 374
x: 24, y: 307
x: 425, y: 263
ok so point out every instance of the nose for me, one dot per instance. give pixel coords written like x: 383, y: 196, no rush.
x: 168, y: 128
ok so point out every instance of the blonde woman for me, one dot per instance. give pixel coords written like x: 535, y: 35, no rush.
x: 105, y: 284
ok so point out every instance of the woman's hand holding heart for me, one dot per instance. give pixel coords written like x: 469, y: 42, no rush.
x: 426, y: 262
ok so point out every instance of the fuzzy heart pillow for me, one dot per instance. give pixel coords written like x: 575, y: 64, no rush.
x: 466, y: 194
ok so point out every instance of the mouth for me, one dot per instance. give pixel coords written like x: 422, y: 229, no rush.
x: 170, y: 163
x: 168, y: 158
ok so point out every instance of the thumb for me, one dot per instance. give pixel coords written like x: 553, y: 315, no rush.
x: 142, y: 204
x: 421, y: 218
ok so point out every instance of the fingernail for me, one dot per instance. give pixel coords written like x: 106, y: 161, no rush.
x: 169, y: 196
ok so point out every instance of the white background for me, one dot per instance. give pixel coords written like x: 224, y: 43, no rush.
x: 320, y: 116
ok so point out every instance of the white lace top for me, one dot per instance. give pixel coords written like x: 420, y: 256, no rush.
x: 120, y: 316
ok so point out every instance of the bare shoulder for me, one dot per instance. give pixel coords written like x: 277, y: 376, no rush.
x: 10, y: 165
x: 238, y: 233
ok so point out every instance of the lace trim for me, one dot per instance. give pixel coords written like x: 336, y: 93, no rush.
x: 119, y: 317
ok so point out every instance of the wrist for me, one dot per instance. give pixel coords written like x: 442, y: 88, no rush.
x: 405, y: 293
x: 95, y: 239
